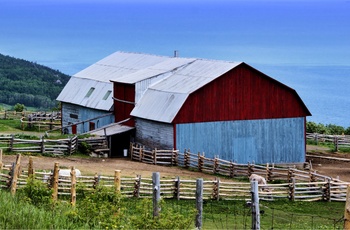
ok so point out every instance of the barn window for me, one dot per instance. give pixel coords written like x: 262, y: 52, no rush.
x: 90, y: 92
x: 107, y: 94
x: 74, y: 116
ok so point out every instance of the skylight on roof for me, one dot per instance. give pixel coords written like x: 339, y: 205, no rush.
x: 90, y: 92
x: 107, y: 95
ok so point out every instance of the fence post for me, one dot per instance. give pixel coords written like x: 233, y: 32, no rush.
x: 199, y: 202
x: 216, y: 189
x: 137, y: 186
x: 336, y: 141
x: 255, y: 205
x: 42, y: 147
x: 328, y: 190
x: 96, y: 180
x: 232, y: 169
x: 15, y: 174
x: 117, y: 180
x: 55, y: 182
x: 250, y: 169
x: 131, y: 147
x: 292, y: 189
x: 73, y: 186
x: 186, y: 159
x: 199, y: 162
x: 30, y: 167
x: 70, y: 146
x: 347, y: 209
x: 216, y: 165
x: 177, y: 188
x: 156, y: 193
x: 155, y: 156
x: 12, y: 140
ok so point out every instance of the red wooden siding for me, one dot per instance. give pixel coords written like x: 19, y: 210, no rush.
x: 122, y: 110
x: 241, y: 94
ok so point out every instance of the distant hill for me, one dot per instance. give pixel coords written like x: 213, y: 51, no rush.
x: 29, y: 83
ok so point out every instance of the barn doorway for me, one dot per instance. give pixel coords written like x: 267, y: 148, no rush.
x: 120, y: 144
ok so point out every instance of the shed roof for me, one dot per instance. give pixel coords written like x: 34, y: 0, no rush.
x: 77, y: 89
x: 163, y: 100
x: 111, y: 129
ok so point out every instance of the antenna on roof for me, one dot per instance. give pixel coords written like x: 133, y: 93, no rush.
x: 176, y: 53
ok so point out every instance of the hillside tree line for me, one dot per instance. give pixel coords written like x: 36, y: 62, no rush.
x: 29, y: 83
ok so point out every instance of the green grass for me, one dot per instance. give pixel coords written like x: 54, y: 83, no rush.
x: 10, y: 125
x: 17, y: 214
x: 282, y: 214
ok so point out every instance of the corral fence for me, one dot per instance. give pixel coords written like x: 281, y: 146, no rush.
x: 13, y: 177
x: 285, y: 182
x: 339, y: 141
x: 42, y: 120
x: 66, y: 146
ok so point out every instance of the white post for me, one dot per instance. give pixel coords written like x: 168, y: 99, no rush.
x: 255, y: 205
x: 156, y: 193
x: 199, y: 202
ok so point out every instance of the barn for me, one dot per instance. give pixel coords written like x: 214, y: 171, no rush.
x: 225, y: 109
x: 220, y: 108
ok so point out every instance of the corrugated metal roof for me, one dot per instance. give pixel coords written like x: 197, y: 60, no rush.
x: 166, y: 66
x: 194, y: 76
x: 163, y: 100
x: 76, y: 90
x: 98, y: 76
x: 159, y: 105
x: 119, y: 64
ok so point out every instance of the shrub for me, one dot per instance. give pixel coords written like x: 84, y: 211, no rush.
x: 18, y: 107
x: 36, y: 192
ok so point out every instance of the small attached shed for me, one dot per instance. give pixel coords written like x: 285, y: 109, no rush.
x: 222, y: 108
x: 86, y: 99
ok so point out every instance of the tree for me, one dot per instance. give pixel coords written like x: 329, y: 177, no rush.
x: 18, y: 107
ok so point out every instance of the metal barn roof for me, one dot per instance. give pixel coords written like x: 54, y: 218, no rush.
x: 99, y: 75
x: 163, y: 100
x: 110, y: 130
x: 118, y: 65
x: 166, y: 66
x: 77, y: 89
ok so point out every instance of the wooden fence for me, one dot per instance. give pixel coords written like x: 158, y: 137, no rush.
x: 226, y: 168
x: 287, y: 182
x: 65, y: 146
x: 339, y: 141
x: 13, y: 178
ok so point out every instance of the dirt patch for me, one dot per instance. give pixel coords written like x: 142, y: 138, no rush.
x: 107, y: 166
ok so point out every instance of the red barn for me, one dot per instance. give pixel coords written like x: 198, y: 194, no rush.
x: 221, y: 108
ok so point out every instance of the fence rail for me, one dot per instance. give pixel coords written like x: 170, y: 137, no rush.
x: 176, y: 188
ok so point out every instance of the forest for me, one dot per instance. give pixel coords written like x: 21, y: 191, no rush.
x: 29, y: 83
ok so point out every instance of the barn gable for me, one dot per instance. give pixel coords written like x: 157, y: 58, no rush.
x: 238, y: 92
x: 241, y: 94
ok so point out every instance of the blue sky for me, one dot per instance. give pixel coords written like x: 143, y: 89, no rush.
x: 69, y: 35
x: 305, y: 44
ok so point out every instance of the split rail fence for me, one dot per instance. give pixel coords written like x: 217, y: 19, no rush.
x: 13, y: 177
x: 285, y: 182
x: 339, y: 141
x: 65, y: 146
